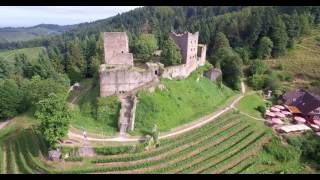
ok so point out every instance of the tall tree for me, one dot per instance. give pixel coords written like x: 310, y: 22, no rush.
x: 76, y: 63
x: 221, y: 41
x: 10, y: 99
x: 171, y: 53
x: 264, y: 48
x: 305, y: 24
x: 145, y: 46
x: 54, y: 117
x: 40, y: 88
x: 279, y: 37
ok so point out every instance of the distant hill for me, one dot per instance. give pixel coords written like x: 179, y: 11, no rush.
x: 31, y: 53
x: 10, y: 34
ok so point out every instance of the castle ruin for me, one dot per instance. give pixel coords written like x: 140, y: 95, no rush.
x: 119, y: 76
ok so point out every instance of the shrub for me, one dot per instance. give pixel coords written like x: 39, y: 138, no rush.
x: 315, y: 83
x: 280, y: 152
x: 317, y: 38
x: 261, y: 109
x: 279, y: 66
x: 112, y: 150
x: 285, y: 77
x: 257, y: 81
x: 76, y: 158
x: 108, y: 108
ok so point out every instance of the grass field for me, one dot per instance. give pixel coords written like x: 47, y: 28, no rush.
x: 249, y: 103
x: 84, y: 108
x: 302, y: 62
x: 182, y: 102
x: 32, y: 53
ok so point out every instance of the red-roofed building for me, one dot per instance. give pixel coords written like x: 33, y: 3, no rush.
x: 303, y: 103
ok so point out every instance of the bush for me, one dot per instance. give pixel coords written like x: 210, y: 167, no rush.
x: 280, y: 152
x: 76, y: 158
x: 317, y: 38
x: 257, y: 81
x: 261, y: 109
x: 108, y: 109
x: 112, y: 150
x: 279, y: 66
x: 285, y: 77
x: 309, y: 145
x: 315, y: 83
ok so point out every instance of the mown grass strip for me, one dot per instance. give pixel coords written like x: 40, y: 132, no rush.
x: 148, y: 165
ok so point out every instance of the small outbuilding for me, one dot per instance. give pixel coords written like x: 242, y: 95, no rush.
x: 213, y: 74
x: 55, y: 155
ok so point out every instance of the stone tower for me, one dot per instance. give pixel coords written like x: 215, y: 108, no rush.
x: 116, y: 49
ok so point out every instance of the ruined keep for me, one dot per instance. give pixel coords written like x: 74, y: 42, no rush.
x: 193, y: 55
x: 116, y: 49
x: 118, y: 75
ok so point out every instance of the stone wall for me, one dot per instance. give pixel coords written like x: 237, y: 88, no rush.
x: 122, y: 59
x: 116, y: 46
x: 175, y: 72
x: 120, y: 80
x: 202, y: 50
x: 133, y: 113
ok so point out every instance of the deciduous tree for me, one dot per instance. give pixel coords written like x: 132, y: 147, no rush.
x: 54, y: 117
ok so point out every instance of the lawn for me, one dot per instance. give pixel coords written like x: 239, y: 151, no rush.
x: 249, y: 103
x: 182, y: 102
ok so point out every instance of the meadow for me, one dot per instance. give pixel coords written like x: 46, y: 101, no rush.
x: 182, y: 102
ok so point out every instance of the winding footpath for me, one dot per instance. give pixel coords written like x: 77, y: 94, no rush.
x: 185, y: 128
x: 3, y: 124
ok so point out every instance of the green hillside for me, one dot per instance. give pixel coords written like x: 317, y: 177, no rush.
x: 182, y: 102
x: 302, y: 62
x: 30, y: 33
x: 32, y: 53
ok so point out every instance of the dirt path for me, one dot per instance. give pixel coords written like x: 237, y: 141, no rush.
x: 77, y: 97
x: 3, y: 124
x: 196, y: 124
x: 309, y: 49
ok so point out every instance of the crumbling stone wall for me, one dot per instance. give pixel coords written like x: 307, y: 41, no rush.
x: 116, y: 49
x: 120, y: 80
x: 175, y: 72
x: 188, y: 44
x: 123, y: 77
x: 133, y: 113
x: 202, y: 50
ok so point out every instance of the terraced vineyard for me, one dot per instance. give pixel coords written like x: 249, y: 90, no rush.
x: 22, y: 153
x: 226, y: 145
x: 222, y: 146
